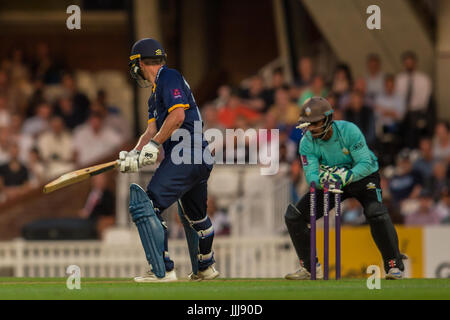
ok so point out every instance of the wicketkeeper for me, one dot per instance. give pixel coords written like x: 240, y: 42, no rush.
x: 336, y: 151
x: 171, y: 106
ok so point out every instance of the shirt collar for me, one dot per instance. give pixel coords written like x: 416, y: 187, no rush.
x: 157, y: 78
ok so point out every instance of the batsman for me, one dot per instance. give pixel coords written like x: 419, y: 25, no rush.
x: 171, y: 106
x: 336, y: 152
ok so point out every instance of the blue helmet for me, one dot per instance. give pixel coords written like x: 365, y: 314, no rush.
x: 146, y: 48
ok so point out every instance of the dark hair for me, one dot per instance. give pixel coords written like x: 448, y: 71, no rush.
x: 409, y: 54
x: 389, y: 76
x: 278, y: 70
x: 284, y: 88
x: 358, y: 93
x: 373, y: 56
x: 96, y: 114
x: 445, y: 123
x: 346, y: 69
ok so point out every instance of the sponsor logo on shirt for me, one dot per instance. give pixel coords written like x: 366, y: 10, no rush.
x: 304, y: 160
x: 371, y: 186
x: 176, y: 93
x: 358, y: 146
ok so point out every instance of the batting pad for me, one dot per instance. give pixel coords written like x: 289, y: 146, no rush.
x: 191, y: 237
x: 150, y: 229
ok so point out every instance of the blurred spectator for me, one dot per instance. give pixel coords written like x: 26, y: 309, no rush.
x: 112, y: 115
x: 443, y: 207
x: 333, y: 100
x: 353, y: 213
x: 424, y: 164
x: 56, y: 149
x: 35, y: 99
x: 18, y: 71
x: 277, y: 82
x: 338, y: 114
x: 426, y: 213
x: 102, y: 99
x: 5, y: 116
x: 362, y: 116
x: 389, y: 107
x: 441, y: 141
x: 219, y: 218
x: 24, y: 141
x: 286, y: 112
x: 94, y: 140
x: 210, y: 117
x: 375, y: 80
x: 256, y: 96
x: 4, y: 145
x: 113, y: 120
x: 406, y: 182
x: 14, y: 174
x: 360, y: 85
x: 100, y: 204
x: 342, y: 85
x: 80, y: 102
x: 317, y: 89
x: 236, y: 108
x: 35, y: 168
x: 43, y: 66
x: 5, y: 89
x: 21, y: 87
x: 223, y: 95
x: 40, y: 122
x: 415, y: 88
x: 305, y: 72
x: 439, y: 181
x: 66, y: 110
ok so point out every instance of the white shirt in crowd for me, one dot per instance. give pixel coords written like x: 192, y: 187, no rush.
x: 375, y: 85
x: 421, y: 89
x: 394, y: 102
x: 56, y: 152
x: 91, y: 146
x: 5, y: 118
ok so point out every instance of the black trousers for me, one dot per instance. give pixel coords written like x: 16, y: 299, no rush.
x: 366, y: 191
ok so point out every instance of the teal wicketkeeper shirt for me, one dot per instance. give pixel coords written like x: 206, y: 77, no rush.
x: 346, y: 148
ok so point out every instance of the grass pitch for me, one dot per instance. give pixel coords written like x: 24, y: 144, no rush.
x: 223, y: 289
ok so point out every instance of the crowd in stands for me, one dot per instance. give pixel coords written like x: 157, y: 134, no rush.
x: 396, y: 113
x: 47, y: 125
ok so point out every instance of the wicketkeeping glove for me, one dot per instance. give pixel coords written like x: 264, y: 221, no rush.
x: 129, y: 161
x: 342, y: 176
x: 149, y: 153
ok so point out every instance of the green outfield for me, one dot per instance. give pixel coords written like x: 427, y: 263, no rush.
x: 226, y: 289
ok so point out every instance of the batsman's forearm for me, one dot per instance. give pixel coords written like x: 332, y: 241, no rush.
x: 146, y: 136
x: 172, y: 123
x: 143, y: 140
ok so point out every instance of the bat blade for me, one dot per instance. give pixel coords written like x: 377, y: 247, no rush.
x: 78, y: 176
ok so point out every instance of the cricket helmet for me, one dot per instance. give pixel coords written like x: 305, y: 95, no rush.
x: 314, y: 110
x: 146, y: 48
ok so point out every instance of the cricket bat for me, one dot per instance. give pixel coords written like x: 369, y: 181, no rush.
x: 79, y: 175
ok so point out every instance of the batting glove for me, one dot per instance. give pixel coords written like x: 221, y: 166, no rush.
x: 129, y: 161
x: 149, y: 153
